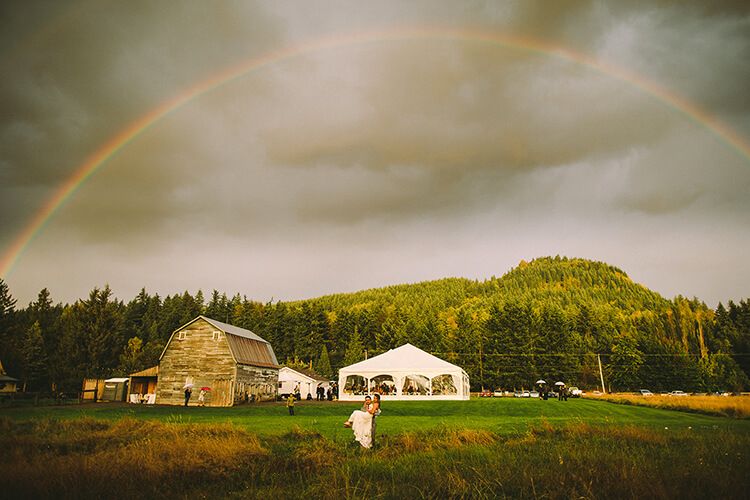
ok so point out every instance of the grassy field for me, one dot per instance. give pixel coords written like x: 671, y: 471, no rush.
x: 483, y: 448
x: 723, y: 406
x: 498, y: 415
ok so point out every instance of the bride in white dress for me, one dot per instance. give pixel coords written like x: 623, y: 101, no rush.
x: 361, y: 421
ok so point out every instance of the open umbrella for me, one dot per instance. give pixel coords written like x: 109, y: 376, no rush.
x: 540, y: 381
x: 559, y: 383
x: 188, y: 385
x: 205, y: 388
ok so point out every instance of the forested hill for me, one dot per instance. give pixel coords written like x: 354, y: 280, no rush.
x: 551, y: 318
x: 556, y: 280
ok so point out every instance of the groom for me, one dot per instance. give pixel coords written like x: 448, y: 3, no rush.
x: 374, y: 423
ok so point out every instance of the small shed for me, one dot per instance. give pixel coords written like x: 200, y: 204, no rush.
x: 115, y: 389
x: 7, y: 384
x: 142, y: 386
x: 306, y: 380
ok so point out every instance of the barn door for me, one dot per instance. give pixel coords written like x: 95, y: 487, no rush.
x: 221, y: 393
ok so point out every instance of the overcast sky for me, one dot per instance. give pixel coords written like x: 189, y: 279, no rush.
x: 378, y: 143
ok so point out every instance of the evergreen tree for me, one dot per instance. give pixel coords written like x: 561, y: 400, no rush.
x: 99, y: 322
x: 35, y: 359
x: 10, y: 349
x: 355, y: 352
x: 131, y: 358
x: 625, y: 364
x: 323, y: 367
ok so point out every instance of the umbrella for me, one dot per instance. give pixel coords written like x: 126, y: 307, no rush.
x: 540, y: 381
x: 205, y: 388
x: 187, y: 385
x: 559, y: 383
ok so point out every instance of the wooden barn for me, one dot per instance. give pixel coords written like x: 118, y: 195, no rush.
x: 233, y: 364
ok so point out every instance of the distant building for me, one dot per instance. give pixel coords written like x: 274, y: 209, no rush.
x: 306, y: 380
x: 234, y: 363
x: 142, y: 386
x: 7, y: 384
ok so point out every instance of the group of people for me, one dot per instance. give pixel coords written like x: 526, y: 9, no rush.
x: 201, y: 396
x: 330, y: 393
x: 384, y: 388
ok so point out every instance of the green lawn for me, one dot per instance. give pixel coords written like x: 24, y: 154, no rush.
x: 502, y: 416
x: 483, y: 448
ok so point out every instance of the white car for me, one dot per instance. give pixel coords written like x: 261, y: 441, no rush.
x: 575, y: 392
x: 678, y: 393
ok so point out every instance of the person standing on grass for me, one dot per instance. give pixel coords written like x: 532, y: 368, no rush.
x: 188, y: 392
x: 290, y: 404
x: 202, y: 398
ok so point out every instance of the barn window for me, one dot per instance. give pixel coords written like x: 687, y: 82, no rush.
x: 182, y: 335
x: 217, y: 335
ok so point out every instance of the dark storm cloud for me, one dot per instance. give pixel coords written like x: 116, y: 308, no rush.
x: 74, y: 78
x: 396, y: 159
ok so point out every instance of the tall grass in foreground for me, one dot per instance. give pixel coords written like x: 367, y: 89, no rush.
x: 129, y: 458
x: 722, y: 406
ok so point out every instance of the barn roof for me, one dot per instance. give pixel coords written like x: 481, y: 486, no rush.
x: 234, y: 330
x: 247, y: 347
x: 307, y: 373
x: 148, y: 372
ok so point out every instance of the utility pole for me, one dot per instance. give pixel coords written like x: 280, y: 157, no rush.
x: 481, y: 373
x: 601, y: 375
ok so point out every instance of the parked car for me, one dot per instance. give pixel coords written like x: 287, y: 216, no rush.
x: 498, y: 394
x: 575, y: 392
x: 534, y: 394
x: 645, y: 392
x: 518, y: 394
x: 485, y: 394
x: 678, y: 393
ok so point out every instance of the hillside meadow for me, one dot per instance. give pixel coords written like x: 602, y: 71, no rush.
x: 482, y: 448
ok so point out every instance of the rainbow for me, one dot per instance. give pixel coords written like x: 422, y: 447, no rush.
x: 141, y: 126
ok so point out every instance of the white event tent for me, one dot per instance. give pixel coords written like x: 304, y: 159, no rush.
x: 404, y: 373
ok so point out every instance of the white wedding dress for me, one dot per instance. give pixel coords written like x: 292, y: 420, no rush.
x: 362, y: 427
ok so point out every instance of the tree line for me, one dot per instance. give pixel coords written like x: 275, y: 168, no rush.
x: 552, y: 318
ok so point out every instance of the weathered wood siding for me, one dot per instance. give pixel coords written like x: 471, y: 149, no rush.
x: 258, y: 382
x: 202, y: 357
